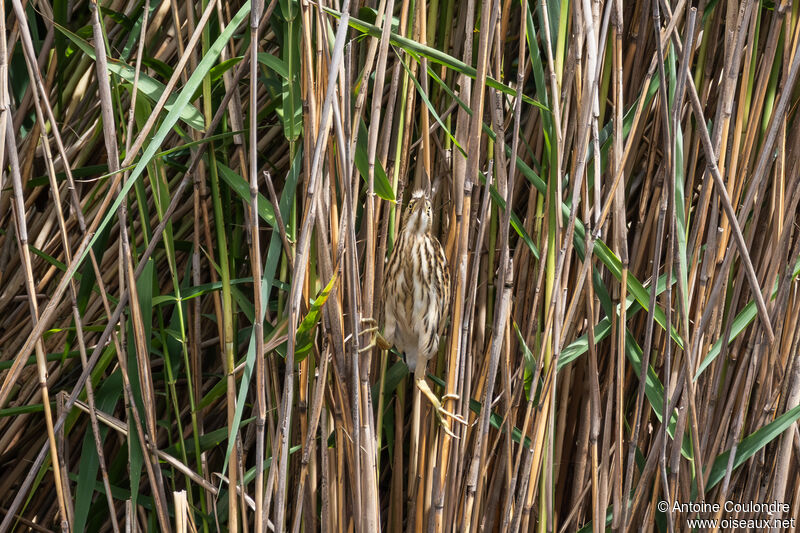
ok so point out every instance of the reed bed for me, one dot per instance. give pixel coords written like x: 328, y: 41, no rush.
x: 198, y: 198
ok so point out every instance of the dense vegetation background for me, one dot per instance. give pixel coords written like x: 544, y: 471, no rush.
x: 196, y: 204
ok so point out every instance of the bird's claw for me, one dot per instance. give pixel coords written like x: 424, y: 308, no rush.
x: 439, y: 410
x: 376, y: 339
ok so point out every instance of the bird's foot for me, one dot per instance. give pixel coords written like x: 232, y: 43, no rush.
x: 375, y: 339
x: 438, y: 408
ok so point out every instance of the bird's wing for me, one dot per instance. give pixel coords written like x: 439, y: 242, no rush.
x: 442, y: 286
x: 392, y: 283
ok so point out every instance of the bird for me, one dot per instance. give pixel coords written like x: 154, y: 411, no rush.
x: 417, y: 296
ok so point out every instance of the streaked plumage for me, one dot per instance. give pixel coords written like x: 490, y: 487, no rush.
x: 416, y: 301
x: 417, y: 289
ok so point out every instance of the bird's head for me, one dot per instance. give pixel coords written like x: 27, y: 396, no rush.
x: 418, y: 216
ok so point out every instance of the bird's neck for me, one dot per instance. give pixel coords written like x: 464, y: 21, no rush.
x: 417, y: 225
x: 413, y: 233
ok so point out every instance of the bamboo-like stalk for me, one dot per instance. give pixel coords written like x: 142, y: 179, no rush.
x: 299, y: 271
x: 255, y: 256
x: 621, y: 245
x: 501, y: 304
x: 552, y: 288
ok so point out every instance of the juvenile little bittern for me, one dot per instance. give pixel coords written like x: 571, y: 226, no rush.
x: 417, y: 296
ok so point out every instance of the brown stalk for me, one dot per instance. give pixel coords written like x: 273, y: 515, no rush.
x: 255, y: 258
x: 281, y: 446
x: 140, y: 342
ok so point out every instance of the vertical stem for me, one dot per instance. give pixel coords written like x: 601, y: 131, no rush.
x: 255, y: 260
